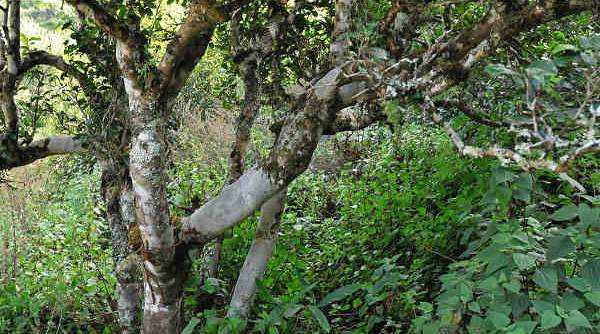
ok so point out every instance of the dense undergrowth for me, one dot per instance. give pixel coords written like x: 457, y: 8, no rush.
x: 409, y: 237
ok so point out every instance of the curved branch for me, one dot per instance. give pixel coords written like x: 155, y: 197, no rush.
x: 447, y: 63
x: 189, y: 44
x: 39, y: 57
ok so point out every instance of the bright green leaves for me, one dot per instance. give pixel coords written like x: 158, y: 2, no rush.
x: 320, y: 317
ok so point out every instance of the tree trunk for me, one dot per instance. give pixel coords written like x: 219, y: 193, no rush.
x: 164, y: 274
x: 258, y: 256
x: 212, y: 255
x: 119, y: 211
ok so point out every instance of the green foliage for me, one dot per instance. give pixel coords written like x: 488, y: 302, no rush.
x: 61, y: 279
x: 525, y: 273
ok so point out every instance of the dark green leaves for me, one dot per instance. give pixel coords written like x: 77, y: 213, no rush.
x: 189, y: 329
x: 499, y: 320
x: 565, y: 213
x: 339, y: 294
x: 591, y: 273
x: 577, y: 319
x: 587, y: 215
x: 558, y: 247
x: 546, y: 278
x: 320, y: 317
x: 524, y: 261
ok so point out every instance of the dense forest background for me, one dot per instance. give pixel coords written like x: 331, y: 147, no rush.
x: 390, y: 229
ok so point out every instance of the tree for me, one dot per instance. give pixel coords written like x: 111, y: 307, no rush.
x: 417, y: 74
x: 345, y: 91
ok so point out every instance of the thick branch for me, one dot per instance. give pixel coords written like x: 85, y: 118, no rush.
x: 290, y: 157
x: 13, y: 34
x: 341, y: 24
x: 189, y: 44
x: 130, y: 41
x: 447, y: 63
x: 40, y: 149
x: 106, y: 21
x: 353, y: 119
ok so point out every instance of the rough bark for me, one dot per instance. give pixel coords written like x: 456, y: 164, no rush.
x: 258, y: 256
x: 118, y: 197
x: 212, y: 256
x: 339, y: 46
x: 289, y: 157
x: 163, y: 281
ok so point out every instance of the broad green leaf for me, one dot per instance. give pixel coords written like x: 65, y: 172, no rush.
x: 520, y: 303
x: 512, y: 286
x: 499, y: 320
x: 570, y: 302
x: 466, y: 294
x: 564, y: 47
x: 587, y: 215
x: 320, y: 317
x: 546, y: 278
x: 542, y: 306
x: 474, y: 307
x: 189, y: 329
x: 593, y: 297
x: 549, y: 320
x: 558, y: 247
x: 578, y: 284
x: 526, y: 326
x: 524, y: 261
x: 292, y: 309
x: 567, y: 212
x: 591, y: 272
x: 339, y: 294
x: 431, y: 328
x: 577, y: 319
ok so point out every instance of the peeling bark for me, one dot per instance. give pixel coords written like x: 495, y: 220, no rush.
x: 258, y: 256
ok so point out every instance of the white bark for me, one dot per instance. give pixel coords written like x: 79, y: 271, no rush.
x: 258, y: 256
x: 235, y: 202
